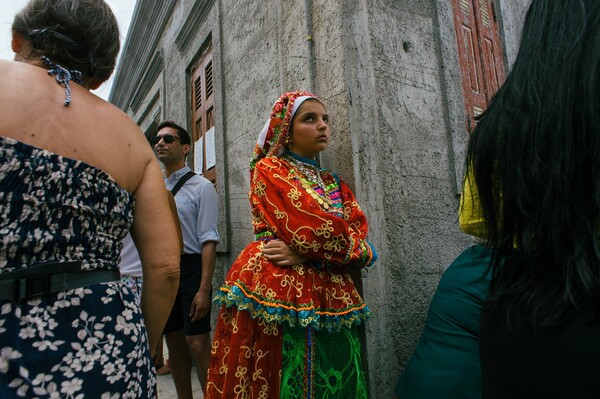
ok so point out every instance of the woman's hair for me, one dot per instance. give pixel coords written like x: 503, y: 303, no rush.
x: 535, y: 156
x: 77, y: 34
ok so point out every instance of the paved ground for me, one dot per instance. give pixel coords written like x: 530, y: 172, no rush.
x: 166, y: 388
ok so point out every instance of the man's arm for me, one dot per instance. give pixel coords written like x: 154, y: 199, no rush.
x: 201, y: 305
x: 207, y: 222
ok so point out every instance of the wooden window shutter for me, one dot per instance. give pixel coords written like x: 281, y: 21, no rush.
x: 480, y: 54
x: 203, y: 106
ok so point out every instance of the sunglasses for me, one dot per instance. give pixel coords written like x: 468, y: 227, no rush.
x: 167, y: 138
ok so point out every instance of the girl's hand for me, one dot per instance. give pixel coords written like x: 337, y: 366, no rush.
x: 279, y: 253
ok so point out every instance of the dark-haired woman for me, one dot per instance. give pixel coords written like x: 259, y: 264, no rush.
x: 75, y: 174
x: 287, y: 326
x: 535, y: 172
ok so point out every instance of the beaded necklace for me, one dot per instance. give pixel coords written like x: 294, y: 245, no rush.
x: 318, y: 183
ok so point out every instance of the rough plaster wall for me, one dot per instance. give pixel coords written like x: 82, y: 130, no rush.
x: 330, y: 84
x: 151, y: 104
x: 452, y: 90
x: 293, y: 50
x: 417, y: 186
x: 263, y: 54
x: 247, y: 49
x: 175, y: 90
x: 366, y: 138
x: 512, y: 16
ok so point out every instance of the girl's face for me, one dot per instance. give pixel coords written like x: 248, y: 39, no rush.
x: 310, y: 129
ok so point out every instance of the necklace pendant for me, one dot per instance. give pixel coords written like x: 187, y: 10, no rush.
x: 313, y: 183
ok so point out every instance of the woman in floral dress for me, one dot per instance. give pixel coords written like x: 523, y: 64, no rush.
x: 287, y: 326
x: 75, y: 175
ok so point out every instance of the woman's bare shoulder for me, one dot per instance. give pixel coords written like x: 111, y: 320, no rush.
x: 89, y: 129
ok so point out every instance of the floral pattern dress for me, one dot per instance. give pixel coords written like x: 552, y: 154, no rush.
x: 85, y: 342
x: 290, y: 332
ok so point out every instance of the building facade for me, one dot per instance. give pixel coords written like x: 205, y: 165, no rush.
x: 402, y: 81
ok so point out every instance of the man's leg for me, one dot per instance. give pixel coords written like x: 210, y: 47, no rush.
x: 197, y: 333
x: 181, y: 364
x: 200, y: 350
x: 159, y: 359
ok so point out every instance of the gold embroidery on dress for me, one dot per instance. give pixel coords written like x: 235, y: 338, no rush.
x: 345, y: 296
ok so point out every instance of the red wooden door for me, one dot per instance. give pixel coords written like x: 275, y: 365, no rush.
x: 480, y: 54
x: 203, y: 102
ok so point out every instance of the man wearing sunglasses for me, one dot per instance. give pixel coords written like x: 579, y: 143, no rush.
x: 187, y: 330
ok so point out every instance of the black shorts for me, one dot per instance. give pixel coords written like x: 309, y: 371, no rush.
x: 189, y: 283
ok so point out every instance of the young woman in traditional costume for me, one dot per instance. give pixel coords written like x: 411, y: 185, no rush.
x: 290, y: 310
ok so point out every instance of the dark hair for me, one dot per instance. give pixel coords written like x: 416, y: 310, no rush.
x: 77, y: 34
x: 184, y: 137
x: 535, y: 156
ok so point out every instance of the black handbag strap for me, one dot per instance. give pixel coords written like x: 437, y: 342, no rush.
x: 181, y: 182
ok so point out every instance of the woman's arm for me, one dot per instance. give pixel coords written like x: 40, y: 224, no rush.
x: 298, y: 220
x: 157, y: 240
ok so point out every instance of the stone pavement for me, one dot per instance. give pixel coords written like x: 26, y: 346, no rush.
x: 166, y: 387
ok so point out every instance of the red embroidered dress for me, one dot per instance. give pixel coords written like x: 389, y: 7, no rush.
x: 313, y: 307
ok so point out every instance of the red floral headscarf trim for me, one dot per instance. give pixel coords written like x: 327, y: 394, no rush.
x: 272, y: 140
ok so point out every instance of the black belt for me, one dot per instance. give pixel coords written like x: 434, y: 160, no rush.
x: 49, y: 278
